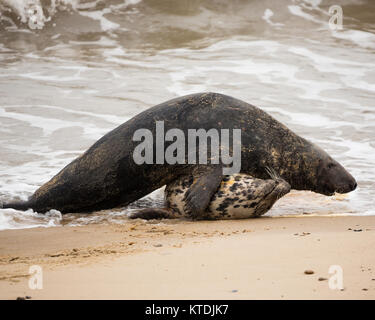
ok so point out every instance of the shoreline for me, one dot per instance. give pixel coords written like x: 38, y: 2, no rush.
x: 264, y: 258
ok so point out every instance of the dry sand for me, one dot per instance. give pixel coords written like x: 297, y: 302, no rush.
x: 263, y: 258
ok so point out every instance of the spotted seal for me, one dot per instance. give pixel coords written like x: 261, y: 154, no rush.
x: 239, y: 196
x: 106, y: 175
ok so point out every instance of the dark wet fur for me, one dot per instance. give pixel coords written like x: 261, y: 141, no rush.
x: 151, y: 213
x: 106, y: 176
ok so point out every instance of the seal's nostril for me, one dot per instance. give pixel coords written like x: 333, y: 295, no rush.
x: 354, y: 185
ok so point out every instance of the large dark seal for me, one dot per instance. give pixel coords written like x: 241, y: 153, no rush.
x: 106, y: 176
x: 239, y: 196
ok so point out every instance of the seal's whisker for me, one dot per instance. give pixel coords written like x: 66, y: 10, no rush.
x: 272, y: 173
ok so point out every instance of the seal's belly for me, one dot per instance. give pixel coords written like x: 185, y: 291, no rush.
x: 239, y: 196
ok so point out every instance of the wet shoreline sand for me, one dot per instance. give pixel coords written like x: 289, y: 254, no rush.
x: 263, y: 258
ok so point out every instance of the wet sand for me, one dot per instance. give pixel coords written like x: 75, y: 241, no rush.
x: 263, y: 258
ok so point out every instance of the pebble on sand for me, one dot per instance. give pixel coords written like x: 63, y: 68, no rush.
x: 322, y: 279
x: 24, y: 298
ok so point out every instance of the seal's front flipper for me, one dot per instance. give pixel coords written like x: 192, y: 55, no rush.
x: 151, y: 213
x: 199, y: 195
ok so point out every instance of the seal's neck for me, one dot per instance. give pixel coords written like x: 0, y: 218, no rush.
x: 300, y: 166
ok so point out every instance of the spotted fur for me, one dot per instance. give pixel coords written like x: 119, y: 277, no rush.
x: 239, y: 196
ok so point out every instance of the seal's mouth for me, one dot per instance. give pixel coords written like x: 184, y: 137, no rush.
x: 330, y: 191
x: 327, y: 191
x: 329, y: 194
x: 347, y: 188
x: 280, y: 189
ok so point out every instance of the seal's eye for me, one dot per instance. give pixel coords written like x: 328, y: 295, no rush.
x: 331, y: 165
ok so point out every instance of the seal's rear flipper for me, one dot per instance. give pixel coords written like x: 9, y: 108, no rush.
x: 199, y: 195
x: 151, y: 213
x: 17, y: 205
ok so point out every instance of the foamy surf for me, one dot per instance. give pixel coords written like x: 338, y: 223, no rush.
x: 11, y: 219
x: 35, y: 14
x: 92, y: 65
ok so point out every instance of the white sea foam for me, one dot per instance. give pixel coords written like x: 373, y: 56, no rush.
x: 48, y: 125
x: 297, y: 11
x: 13, y: 219
x: 266, y: 72
x: 36, y: 13
x: 62, y: 95
x: 105, y: 24
x: 268, y: 13
x: 360, y: 38
x: 32, y: 12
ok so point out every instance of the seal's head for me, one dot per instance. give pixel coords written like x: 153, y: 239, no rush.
x: 320, y: 173
x: 280, y: 186
x: 332, y: 177
x: 279, y: 189
x: 269, y: 191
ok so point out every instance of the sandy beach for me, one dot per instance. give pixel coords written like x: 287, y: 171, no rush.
x: 265, y: 258
x: 79, y: 78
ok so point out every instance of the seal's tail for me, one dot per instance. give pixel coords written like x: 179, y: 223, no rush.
x: 18, y: 205
x: 152, y: 213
